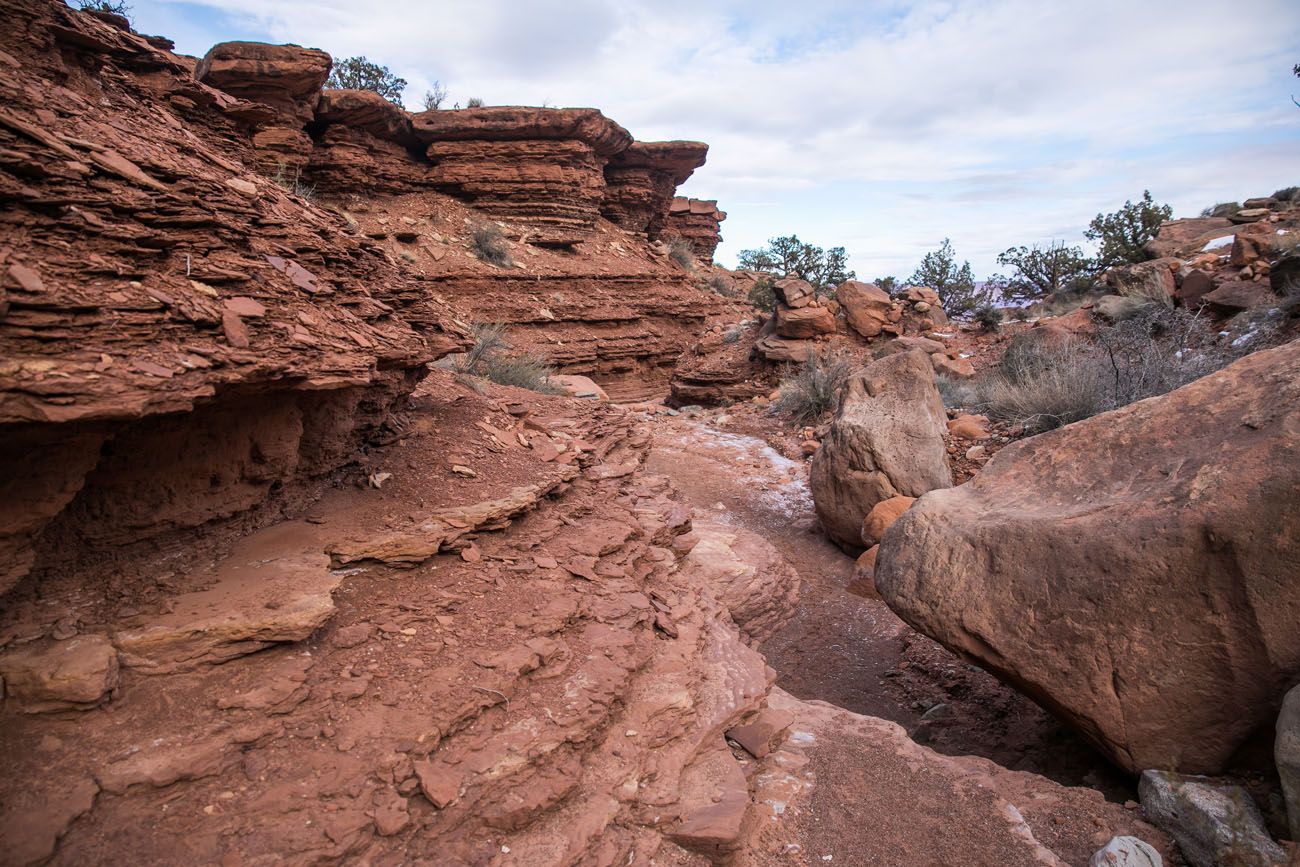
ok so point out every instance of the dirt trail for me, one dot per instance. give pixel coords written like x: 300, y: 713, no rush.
x: 853, y: 651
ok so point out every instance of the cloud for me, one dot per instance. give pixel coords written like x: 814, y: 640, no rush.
x: 884, y: 125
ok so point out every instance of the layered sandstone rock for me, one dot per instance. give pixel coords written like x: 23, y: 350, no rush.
x: 363, y: 144
x: 541, y: 166
x: 188, y: 339
x: 886, y: 441
x: 642, y: 181
x: 696, y: 221
x: 1137, y: 582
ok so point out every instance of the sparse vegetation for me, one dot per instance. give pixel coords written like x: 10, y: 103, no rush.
x: 473, y: 102
x: 813, y: 389
x: 1122, y: 236
x: 1223, y: 209
x: 967, y: 394
x: 489, y: 245
x: 433, y: 99
x: 763, y: 294
x: 1039, y: 271
x: 681, y: 252
x: 1287, y: 194
x: 491, y: 358
x: 789, y: 257
x: 112, y: 8
x: 1046, y: 383
x: 290, y: 180
x: 732, y: 334
x: 721, y: 285
x: 987, y: 316
x: 357, y: 73
x: 955, y: 283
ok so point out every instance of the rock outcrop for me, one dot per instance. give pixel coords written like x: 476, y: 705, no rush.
x: 886, y: 441
x: 540, y: 166
x: 642, y: 180
x: 1134, y: 580
x: 187, y: 340
x: 697, y: 222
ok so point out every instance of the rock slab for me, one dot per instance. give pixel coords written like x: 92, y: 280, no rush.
x: 1213, y: 824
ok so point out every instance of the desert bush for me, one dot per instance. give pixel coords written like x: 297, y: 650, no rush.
x: 1123, y: 235
x: 1046, y: 383
x: 763, y: 294
x: 721, y: 285
x: 1042, y: 270
x: 787, y: 256
x: 489, y: 245
x: 1020, y: 314
x: 109, y: 6
x: 954, y: 283
x: 732, y: 335
x: 290, y: 180
x: 968, y: 394
x: 473, y: 102
x: 1287, y: 194
x: 490, y: 357
x: 681, y: 252
x: 357, y: 73
x: 433, y: 99
x: 987, y: 317
x: 813, y: 389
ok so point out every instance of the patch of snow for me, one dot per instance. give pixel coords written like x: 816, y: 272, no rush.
x: 1244, y: 339
x: 943, y: 334
x: 1216, y: 243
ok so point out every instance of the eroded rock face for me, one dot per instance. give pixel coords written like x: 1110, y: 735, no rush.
x: 642, y: 181
x: 286, y: 77
x: 1173, y: 554
x: 886, y: 441
x: 696, y: 221
x: 541, y: 166
x: 203, y: 327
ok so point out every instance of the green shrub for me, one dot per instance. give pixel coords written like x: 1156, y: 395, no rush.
x: 1287, y: 194
x: 681, y: 252
x: 357, y: 73
x: 490, y: 358
x: 489, y: 245
x: 763, y: 294
x: 987, y: 317
x: 473, y: 102
x: 813, y: 389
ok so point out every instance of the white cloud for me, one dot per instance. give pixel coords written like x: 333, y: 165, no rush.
x: 885, y: 126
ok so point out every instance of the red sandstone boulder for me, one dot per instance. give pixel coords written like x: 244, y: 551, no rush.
x: 368, y: 111
x: 969, y: 427
x: 886, y: 440
x: 881, y: 517
x: 696, y: 221
x: 955, y: 368
x: 866, y: 306
x: 1238, y: 295
x: 286, y: 77
x: 1133, y: 573
x: 794, y: 292
x: 804, y: 322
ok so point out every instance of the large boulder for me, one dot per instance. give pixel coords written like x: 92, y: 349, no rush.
x: 1286, y: 752
x: 1214, y: 824
x: 804, y: 322
x: 1135, y: 572
x: 866, y: 306
x: 286, y: 77
x: 886, y: 441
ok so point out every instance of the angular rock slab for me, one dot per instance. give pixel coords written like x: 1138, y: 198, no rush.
x: 77, y: 674
x: 1213, y: 824
x: 274, y: 587
x: 1135, y: 572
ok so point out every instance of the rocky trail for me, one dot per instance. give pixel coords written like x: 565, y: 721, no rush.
x: 843, y: 645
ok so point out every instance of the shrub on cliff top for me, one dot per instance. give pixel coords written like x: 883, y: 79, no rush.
x: 1122, y: 236
x: 357, y: 73
x: 787, y: 256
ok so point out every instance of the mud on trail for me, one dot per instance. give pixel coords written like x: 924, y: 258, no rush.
x: 844, y: 646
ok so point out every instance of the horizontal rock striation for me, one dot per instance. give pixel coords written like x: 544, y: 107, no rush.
x: 696, y: 221
x: 642, y: 181
x: 180, y: 337
x: 543, y: 166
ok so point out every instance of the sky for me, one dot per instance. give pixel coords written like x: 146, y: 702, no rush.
x: 881, y: 126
